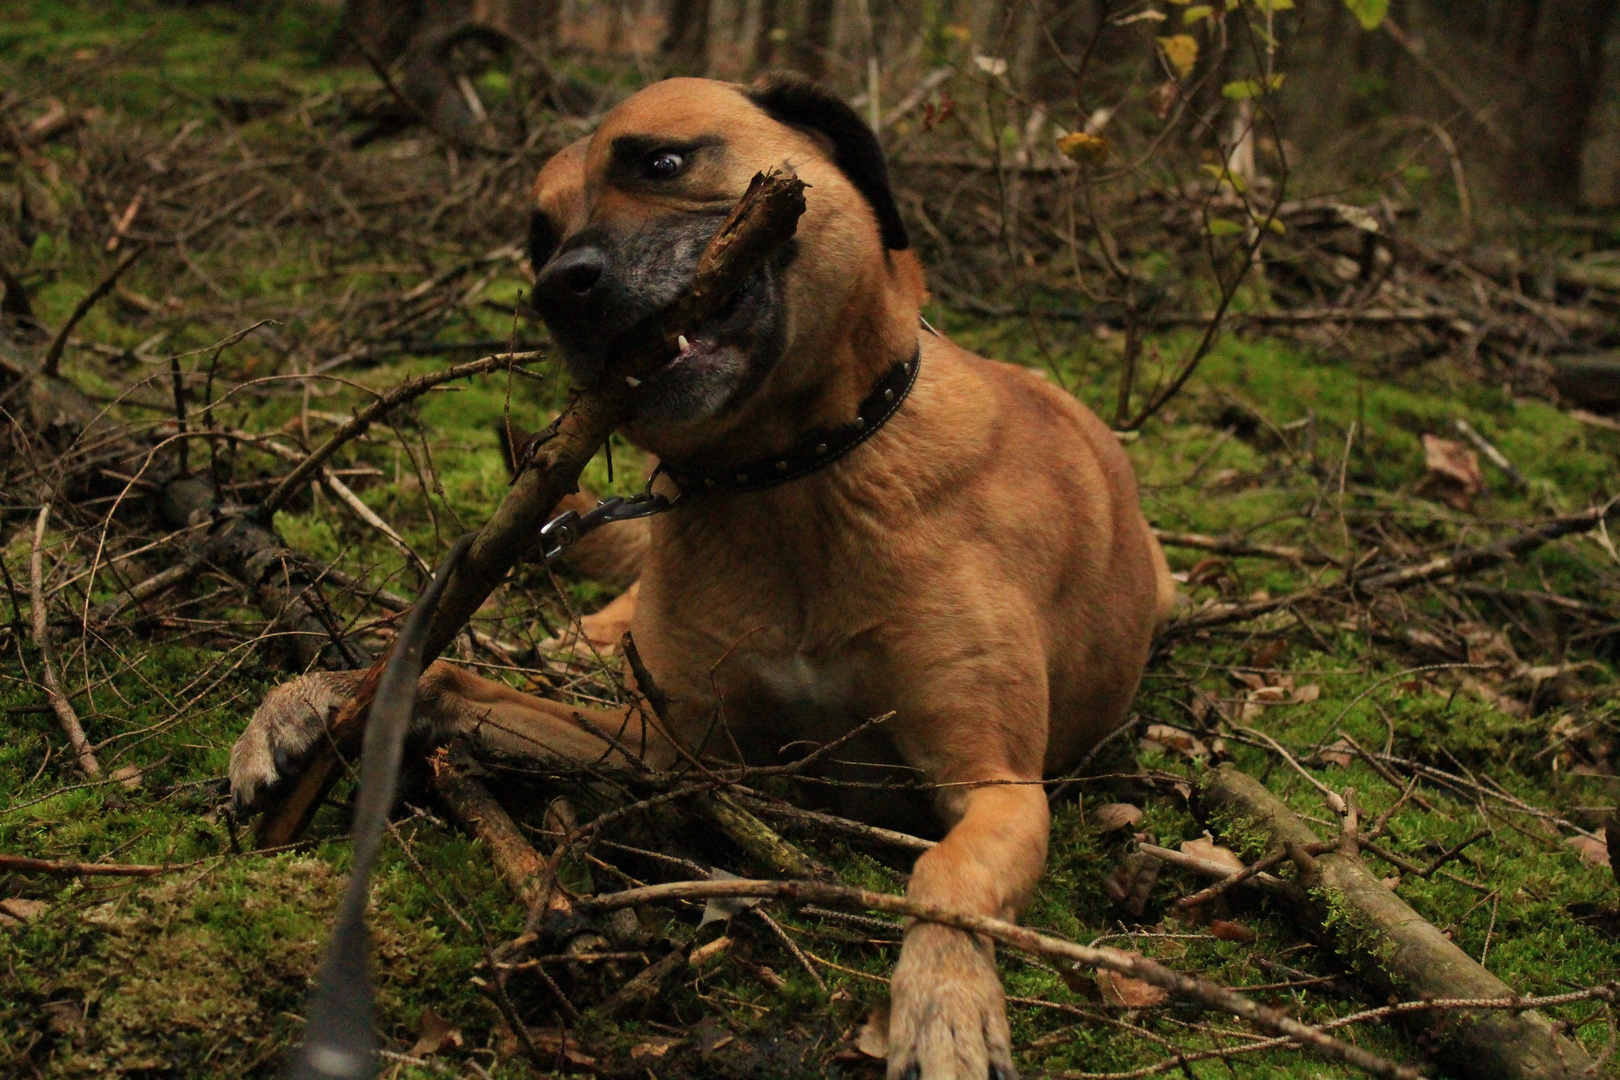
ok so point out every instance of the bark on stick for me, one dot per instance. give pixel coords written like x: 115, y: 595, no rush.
x: 1393, y: 946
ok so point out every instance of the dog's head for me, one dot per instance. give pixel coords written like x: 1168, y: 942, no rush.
x: 621, y: 218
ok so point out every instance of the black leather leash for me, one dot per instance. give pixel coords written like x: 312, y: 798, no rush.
x: 340, y: 1042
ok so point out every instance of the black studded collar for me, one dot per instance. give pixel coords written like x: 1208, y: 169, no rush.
x: 817, y: 449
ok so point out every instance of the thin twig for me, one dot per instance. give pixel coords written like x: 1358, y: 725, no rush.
x: 1133, y: 965
x: 42, y: 641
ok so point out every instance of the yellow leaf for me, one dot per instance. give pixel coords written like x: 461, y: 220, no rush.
x: 1222, y: 227
x: 1369, y: 13
x: 1089, y: 150
x: 1276, y: 226
x: 1251, y: 88
x: 1197, y: 12
x: 1181, y: 51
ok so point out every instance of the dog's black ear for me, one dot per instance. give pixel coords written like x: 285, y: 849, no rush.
x: 794, y: 99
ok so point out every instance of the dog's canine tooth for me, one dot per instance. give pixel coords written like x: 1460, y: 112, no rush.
x: 633, y: 381
x: 680, y: 339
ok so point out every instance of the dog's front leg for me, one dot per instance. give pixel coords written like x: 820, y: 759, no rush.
x: 948, y: 1016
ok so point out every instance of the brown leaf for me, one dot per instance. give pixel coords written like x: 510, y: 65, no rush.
x: 1117, y: 989
x: 1454, y: 469
x: 1207, y: 849
x: 1162, y: 98
x: 129, y: 776
x: 1392, y: 882
x: 18, y: 910
x: 1231, y: 931
x: 655, y: 1046
x: 1173, y: 738
x: 434, y: 1034
x: 1593, y: 852
x: 1307, y: 693
x: 1132, y: 882
x: 1267, y: 654
x: 1338, y: 753
x: 1077, y: 981
x: 873, y: 1038
x: 1115, y: 815
x: 1252, y: 679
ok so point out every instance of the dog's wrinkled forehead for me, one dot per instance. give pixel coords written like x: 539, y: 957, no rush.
x: 693, y: 144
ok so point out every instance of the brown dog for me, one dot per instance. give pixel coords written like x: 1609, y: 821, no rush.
x: 972, y: 556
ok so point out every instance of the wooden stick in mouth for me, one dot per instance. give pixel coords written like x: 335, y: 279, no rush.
x: 764, y: 219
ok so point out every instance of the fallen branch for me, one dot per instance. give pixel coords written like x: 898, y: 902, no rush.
x: 762, y: 221
x: 409, y: 390
x: 1466, y: 561
x: 1394, y: 947
x: 47, y: 659
x: 53, y: 355
x: 1232, y: 545
x: 1135, y: 966
x: 477, y: 811
x: 23, y: 864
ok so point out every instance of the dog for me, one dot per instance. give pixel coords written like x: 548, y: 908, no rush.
x: 870, y: 520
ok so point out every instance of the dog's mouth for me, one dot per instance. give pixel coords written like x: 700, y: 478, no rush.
x: 717, y: 361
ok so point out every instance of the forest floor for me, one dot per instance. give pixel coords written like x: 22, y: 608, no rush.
x: 1496, y: 690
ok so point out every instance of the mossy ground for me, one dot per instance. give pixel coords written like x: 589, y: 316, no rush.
x: 205, y: 970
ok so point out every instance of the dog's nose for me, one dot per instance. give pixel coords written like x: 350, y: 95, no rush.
x: 572, y: 276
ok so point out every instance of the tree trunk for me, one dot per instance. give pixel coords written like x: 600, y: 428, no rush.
x: 814, y: 39
x: 686, y: 43
x: 1562, y: 76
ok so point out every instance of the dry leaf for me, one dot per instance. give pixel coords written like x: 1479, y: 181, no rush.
x: 1392, y: 882
x: 1117, y: 989
x: 1252, y: 679
x: 1455, y: 470
x: 434, y: 1034
x: 1207, y: 849
x: 16, y: 911
x: 1267, y: 654
x: 1231, y: 931
x: 655, y: 1046
x: 1307, y: 693
x: 1132, y: 882
x: 1593, y: 852
x: 1115, y: 815
x: 129, y: 776
x: 1162, y: 98
x: 1173, y: 738
x: 1337, y: 753
x: 873, y: 1038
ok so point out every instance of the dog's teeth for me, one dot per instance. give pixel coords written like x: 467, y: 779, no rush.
x: 680, y: 339
x: 633, y: 381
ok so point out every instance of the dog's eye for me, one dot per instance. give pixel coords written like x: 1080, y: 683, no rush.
x: 665, y: 164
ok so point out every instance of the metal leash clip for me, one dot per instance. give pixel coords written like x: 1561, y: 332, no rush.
x: 568, y: 526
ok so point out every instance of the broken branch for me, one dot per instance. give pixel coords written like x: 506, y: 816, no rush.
x: 1392, y: 945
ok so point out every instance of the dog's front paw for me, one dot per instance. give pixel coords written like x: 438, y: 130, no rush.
x: 948, y: 1015
x: 288, y: 723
